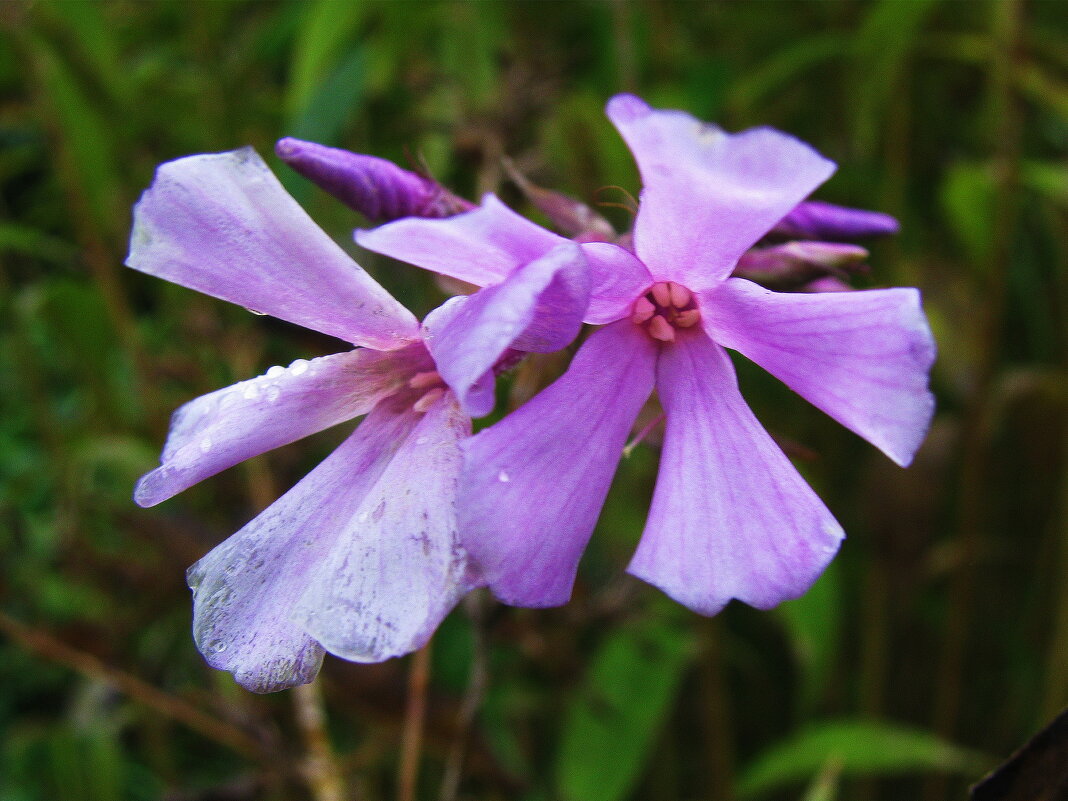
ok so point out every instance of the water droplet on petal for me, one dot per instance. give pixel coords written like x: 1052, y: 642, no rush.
x: 228, y: 400
x: 299, y: 366
x: 272, y: 393
x: 362, y: 517
x: 217, y: 646
x: 274, y: 372
x: 252, y: 391
x: 422, y: 440
x: 503, y: 477
x: 257, y: 312
x: 206, y: 443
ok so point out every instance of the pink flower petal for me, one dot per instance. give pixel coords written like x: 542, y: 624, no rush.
x: 218, y: 430
x: 245, y: 590
x: 223, y: 225
x: 534, y: 483
x: 708, y: 196
x: 731, y: 517
x: 617, y: 278
x: 538, y: 308
x: 481, y: 247
x: 862, y: 357
x: 397, y: 569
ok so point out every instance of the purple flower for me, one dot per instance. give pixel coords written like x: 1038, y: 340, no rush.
x: 362, y: 557
x: 536, y: 290
x: 730, y: 517
x: 378, y: 189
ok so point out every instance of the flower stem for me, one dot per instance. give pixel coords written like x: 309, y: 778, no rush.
x: 414, y: 720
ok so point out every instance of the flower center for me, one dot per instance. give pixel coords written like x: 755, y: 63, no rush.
x: 665, y: 307
x: 432, y: 388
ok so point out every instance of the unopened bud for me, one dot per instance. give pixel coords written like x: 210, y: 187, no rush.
x: 793, y: 264
x: 574, y: 218
x: 378, y: 189
x: 817, y: 220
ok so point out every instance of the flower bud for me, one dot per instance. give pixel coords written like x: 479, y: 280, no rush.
x: 378, y: 189
x: 817, y: 220
x: 794, y: 264
x: 572, y: 217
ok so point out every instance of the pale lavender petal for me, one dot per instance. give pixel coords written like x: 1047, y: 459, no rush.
x: 534, y: 483
x: 617, y: 280
x: 397, y: 569
x: 862, y: 357
x: 378, y: 189
x: 708, y: 196
x: 815, y: 219
x: 245, y: 590
x: 538, y: 308
x: 223, y: 225
x: 731, y: 517
x: 218, y: 430
x: 480, y: 247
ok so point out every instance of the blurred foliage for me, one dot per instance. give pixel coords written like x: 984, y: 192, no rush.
x: 940, y: 634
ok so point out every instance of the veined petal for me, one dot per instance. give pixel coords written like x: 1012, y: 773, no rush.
x: 218, y: 430
x: 397, y: 569
x: 534, y: 483
x: 223, y: 225
x: 538, y: 308
x: 617, y: 280
x: 244, y: 591
x: 481, y: 247
x: 862, y: 357
x: 731, y: 517
x: 708, y: 195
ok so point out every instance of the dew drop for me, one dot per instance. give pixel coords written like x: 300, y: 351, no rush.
x: 274, y: 372
x: 252, y: 391
x: 273, y: 392
x: 299, y: 366
x: 205, y: 444
x: 257, y: 312
x: 217, y: 646
x: 503, y: 477
x: 228, y: 400
x: 362, y: 517
x: 422, y: 441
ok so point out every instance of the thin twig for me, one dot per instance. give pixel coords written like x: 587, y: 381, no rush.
x: 320, y: 767
x: 51, y: 648
x: 474, y: 605
x: 414, y: 719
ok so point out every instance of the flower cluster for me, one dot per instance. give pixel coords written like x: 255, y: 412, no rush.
x: 366, y: 555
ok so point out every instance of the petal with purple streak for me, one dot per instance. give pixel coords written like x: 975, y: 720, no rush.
x: 397, y: 568
x: 538, y: 308
x: 617, y: 279
x: 731, y: 517
x: 244, y: 590
x: 708, y: 195
x: 222, y: 428
x: 534, y: 483
x: 862, y: 357
x: 223, y: 225
x: 481, y: 247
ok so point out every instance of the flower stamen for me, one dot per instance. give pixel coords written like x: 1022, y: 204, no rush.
x: 664, y: 308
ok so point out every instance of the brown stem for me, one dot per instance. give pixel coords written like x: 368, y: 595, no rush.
x: 474, y: 605
x: 414, y: 719
x: 320, y: 767
x: 51, y: 648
